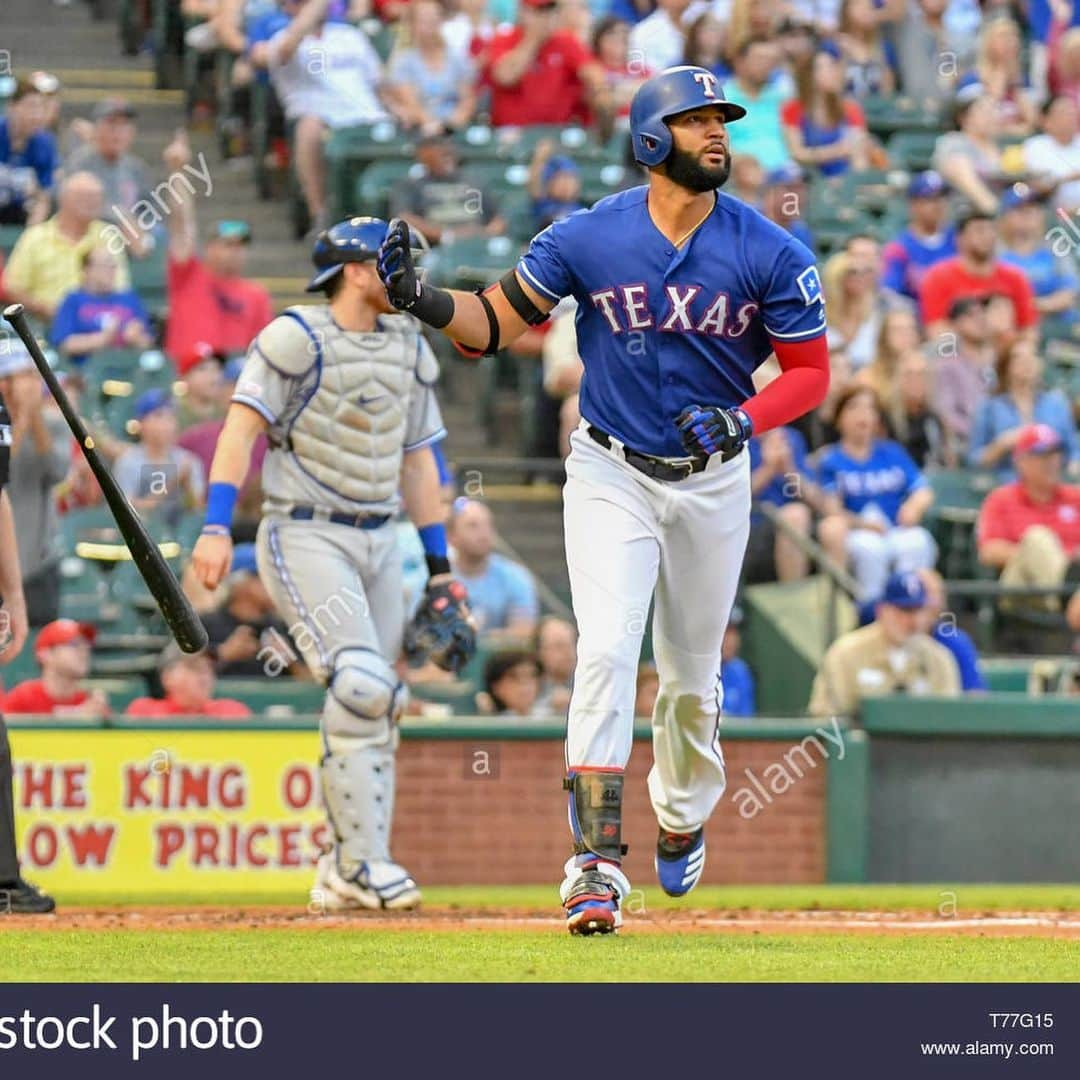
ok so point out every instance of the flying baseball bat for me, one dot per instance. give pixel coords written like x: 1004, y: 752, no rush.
x: 185, y: 625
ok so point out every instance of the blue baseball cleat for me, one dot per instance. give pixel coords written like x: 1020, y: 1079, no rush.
x: 680, y: 859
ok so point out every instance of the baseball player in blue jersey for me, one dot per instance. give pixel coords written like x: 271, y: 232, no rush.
x: 682, y: 292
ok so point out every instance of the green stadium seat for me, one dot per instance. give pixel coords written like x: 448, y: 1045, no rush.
x: 958, y: 494
x: 577, y: 142
x: 517, y: 208
x: 350, y: 150
x: 913, y: 150
x: 261, y: 694
x: 9, y: 235
x: 148, y: 275
x: 459, y: 695
x: 873, y: 190
x: 377, y: 181
x: 888, y: 115
x: 1007, y: 675
x: 475, y: 260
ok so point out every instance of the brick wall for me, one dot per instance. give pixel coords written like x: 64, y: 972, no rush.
x: 455, y: 825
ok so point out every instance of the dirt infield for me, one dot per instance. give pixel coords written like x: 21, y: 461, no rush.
x: 981, y: 924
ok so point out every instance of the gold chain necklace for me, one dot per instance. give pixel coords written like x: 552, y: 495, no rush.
x: 682, y: 239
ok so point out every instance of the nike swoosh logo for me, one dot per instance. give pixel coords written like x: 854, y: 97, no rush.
x: 368, y: 400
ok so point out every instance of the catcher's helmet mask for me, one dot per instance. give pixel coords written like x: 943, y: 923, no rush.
x: 674, y: 91
x: 356, y: 239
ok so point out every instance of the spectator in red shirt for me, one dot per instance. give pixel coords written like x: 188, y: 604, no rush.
x: 209, y: 299
x: 539, y: 73
x: 975, y: 270
x: 1029, y: 530
x: 62, y: 649
x: 188, y: 681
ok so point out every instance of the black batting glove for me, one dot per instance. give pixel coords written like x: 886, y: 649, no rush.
x: 713, y: 430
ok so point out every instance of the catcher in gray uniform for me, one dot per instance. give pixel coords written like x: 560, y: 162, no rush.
x: 345, y: 391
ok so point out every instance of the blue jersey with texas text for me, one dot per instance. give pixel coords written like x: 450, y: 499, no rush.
x: 659, y: 327
x: 881, y: 481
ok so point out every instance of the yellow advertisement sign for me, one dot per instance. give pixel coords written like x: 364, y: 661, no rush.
x: 202, y: 813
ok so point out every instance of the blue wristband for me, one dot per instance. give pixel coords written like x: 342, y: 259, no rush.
x: 745, y: 422
x: 220, y: 501
x: 433, y: 537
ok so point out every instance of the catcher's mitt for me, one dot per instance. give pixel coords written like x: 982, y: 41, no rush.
x: 442, y: 631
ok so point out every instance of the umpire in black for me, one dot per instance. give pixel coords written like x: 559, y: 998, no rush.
x: 17, y: 897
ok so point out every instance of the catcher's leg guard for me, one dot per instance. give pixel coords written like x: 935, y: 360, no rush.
x: 594, y: 885
x: 359, y: 728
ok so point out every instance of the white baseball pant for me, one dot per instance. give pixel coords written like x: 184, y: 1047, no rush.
x: 629, y: 537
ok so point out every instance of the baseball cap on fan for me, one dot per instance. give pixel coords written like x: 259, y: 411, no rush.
x: 151, y: 401
x: 1037, y: 439
x: 560, y: 163
x: 113, y: 108
x: 927, y: 185
x: 63, y: 632
x: 905, y: 591
x: 235, y: 229
x: 199, y: 353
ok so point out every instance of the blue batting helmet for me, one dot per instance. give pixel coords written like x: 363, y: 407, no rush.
x: 675, y: 90
x: 355, y: 239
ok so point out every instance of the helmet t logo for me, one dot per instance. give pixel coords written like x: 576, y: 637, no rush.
x: 708, y: 82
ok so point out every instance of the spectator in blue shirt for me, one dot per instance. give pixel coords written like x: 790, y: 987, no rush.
x: 28, y: 158
x: 502, y: 595
x: 434, y: 86
x: 927, y: 240
x: 874, y: 498
x: 779, y: 477
x: 943, y: 628
x: 736, y: 678
x: 1020, y: 400
x: 97, y: 316
x: 1022, y: 228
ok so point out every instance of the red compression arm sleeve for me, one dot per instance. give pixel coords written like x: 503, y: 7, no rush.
x: 800, y: 386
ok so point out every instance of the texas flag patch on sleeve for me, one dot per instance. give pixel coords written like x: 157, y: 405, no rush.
x: 810, y: 285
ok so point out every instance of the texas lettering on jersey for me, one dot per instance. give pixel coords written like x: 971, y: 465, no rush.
x: 660, y: 327
x: 626, y: 307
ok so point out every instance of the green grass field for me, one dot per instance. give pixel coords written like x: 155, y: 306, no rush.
x: 62, y: 950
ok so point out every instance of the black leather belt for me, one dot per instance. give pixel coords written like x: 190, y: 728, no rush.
x: 657, y: 468
x: 355, y: 521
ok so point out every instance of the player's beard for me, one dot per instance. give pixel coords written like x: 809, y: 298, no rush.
x: 686, y: 170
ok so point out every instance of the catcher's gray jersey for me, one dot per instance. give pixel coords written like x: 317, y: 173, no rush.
x: 343, y: 407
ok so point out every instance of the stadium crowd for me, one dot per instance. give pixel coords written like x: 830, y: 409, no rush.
x: 928, y: 152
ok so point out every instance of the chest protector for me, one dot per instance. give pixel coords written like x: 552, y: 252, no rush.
x: 346, y: 427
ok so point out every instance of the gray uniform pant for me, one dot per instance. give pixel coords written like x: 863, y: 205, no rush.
x: 335, y: 586
x: 339, y: 590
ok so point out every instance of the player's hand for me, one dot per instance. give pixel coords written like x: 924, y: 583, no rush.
x: 713, y: 430
x: 211, y: 559
x: 13, y: 630
x: 395, y: 266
